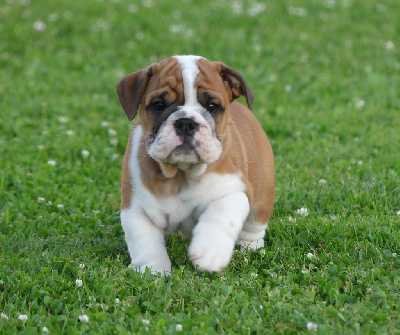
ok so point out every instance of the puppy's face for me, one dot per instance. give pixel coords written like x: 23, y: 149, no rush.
x: 184, y: 109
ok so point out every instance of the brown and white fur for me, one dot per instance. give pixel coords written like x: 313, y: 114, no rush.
x: 197, y: 163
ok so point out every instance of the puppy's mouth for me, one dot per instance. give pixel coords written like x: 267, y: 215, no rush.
x: 184, y: 153
x: 183, y: 157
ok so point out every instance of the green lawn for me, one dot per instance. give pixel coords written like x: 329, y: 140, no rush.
x: 326, y: 80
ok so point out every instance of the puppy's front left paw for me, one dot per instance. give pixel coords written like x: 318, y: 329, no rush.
x: 211, y: 253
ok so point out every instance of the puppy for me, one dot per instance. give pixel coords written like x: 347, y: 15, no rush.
x: 197, y: 162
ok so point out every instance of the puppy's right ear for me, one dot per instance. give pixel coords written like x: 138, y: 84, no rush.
x: 130, y: 90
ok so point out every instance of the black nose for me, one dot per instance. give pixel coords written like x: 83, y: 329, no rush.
x: 185, y: 127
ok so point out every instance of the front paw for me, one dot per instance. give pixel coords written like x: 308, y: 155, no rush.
x: 161, y: 266
x: 211, y: 253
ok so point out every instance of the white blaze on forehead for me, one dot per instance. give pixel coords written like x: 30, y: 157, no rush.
x: 206, y: 147
x: 189, y: 74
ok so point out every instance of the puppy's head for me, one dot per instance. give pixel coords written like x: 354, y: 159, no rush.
x: 184, y: 109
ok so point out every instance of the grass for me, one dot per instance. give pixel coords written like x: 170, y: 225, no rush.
x: 326, y: 77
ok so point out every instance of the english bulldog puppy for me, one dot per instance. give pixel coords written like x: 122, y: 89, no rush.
x: 197, y: 162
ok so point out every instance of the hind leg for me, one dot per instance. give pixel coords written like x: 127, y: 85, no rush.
x: 253, y: 231
x: 252, y: 235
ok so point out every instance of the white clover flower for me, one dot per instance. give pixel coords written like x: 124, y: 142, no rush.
x: 322, y: 182
x: 303, y: 36
x: 49, y: 203
x: 394, y: 254
x: 67, y: 15
x: 85, y: 153
x: 105, y: 123
x: 398, y: 213
x: 360, y: 103
x: 148, y: 3
x: 261, y: 307
x: 310, y: 255
x: 52, y: 162
x: 81, y: 266
x: 39, y: 26
x: 380, y: 7
x: 60, y: 206
x: 111, y: 132
x: 70, y: 132
x: 237, y: 7
x: 41, y: 199
x: 256, y: 9
x: 133, y: 9
x: 312, y: 326
x: 298, y: 11
x: 45, y: 330
x: 62, y: 119
x: 114, y: 141
x: 79, y: 282
x: 288, y: 88
x: 178, y: 327
x: 1, y: 282
x: 330, y: 3
x: 291, y: 219
x: 254, y: 275
x: 175, y: 29
x: 23, y: 317
x: 83, y: 318
x: 117, y: 301
x: 101, y: 24
x: 53, y: 17
x: 118, y: 74
x: 4, y: 316
x: 189, y: 33
x: 389, y: 45
x: 257, y: 48
x: 304, y: 271
x: 177, y: 14
x: 302, y: 211
x: 139, y: 36
x: 146, y: 322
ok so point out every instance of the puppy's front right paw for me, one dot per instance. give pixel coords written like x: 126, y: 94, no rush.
x: 211, y: 253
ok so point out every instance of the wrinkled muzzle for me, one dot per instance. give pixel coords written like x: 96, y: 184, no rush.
x: 186, y: 137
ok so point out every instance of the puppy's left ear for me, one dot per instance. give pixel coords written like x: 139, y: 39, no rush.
x: 235, y: 84
x: 130, y: 90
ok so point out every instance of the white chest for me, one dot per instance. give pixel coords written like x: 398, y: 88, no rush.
x: 186, y: 207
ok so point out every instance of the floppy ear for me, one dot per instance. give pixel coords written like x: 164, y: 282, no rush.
x: 235, y: 83
x: 130, y: 89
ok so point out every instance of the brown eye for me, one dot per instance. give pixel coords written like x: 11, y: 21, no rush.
x: 157, y: 106
x: 213, y: 107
